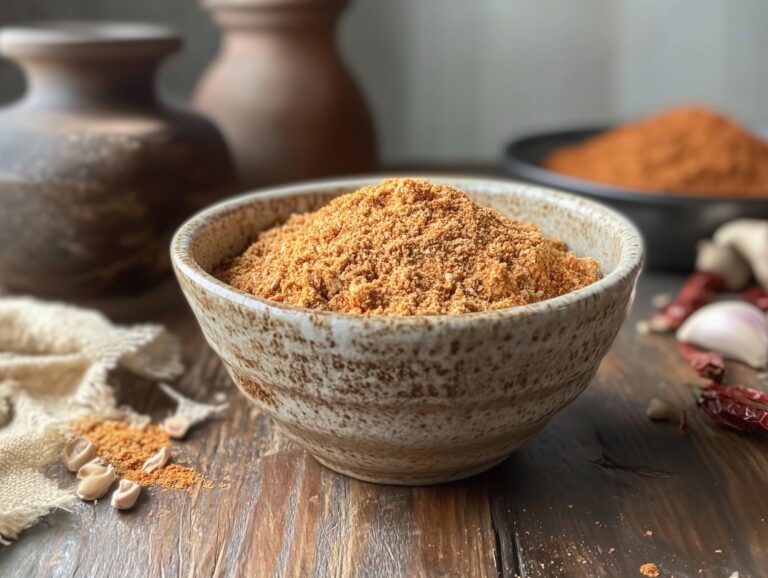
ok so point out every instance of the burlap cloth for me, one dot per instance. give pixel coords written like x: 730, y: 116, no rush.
x: 54, y: 364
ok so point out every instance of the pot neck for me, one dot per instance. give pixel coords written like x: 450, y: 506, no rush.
x: 71, y: 65
x: 301, y: 16
x: 82, y: 84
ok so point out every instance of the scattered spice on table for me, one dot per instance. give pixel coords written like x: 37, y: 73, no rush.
x: 406, y: 247
x: 687, y: 150
x: 127, y: 449
x: 650, y: 569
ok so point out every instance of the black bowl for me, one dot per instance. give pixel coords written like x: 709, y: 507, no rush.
x: 671, y: 224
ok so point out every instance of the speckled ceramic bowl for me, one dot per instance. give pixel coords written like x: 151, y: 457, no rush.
x: 411, y: 400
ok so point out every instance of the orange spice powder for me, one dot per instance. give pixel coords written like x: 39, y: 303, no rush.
x: 127, y: 449
x: 690, y: 150
x: 406, y: 247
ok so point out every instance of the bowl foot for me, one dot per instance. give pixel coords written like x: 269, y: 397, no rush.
x: 410, y: 478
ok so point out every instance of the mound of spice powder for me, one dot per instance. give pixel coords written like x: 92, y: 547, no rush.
x: 406, y: 247
x: 127, y: 449
x: 689, y: 150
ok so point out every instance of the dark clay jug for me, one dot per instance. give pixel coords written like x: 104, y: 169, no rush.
x: 95, y: 171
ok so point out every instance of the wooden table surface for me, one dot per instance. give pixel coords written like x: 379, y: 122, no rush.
x: 599, y: 492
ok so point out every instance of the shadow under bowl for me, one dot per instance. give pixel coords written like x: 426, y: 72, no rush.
x: 410, y: 400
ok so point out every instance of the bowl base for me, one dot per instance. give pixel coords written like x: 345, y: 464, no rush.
x: 410, y: 479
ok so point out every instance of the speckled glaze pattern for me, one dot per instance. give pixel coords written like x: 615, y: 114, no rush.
x: 411, y: 400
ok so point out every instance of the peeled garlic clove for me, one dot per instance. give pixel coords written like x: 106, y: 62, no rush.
x: 95, y: 486
x: 77, y: 452
x: 176, y: 426
x: 126, y: 494
x: 93, y: 468
x: 736, y: 329
x: 157, y: 461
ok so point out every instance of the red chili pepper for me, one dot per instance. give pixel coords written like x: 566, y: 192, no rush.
x: 696, y: 292
x: 683, y: 421
x: 757, y: 296
x: 707, y: 364
x: 740, y: 408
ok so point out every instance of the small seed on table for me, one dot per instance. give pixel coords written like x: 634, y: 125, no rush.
x: 126, y: 494
x: 93, y: 468
x: 95, y: 486
x: 658, y: 410
x: 77, y: 452
x: 157, y: 460
x: 661, y: 300
x: 177, y: 426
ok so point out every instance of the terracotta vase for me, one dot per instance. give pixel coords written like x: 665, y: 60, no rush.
x: 96, y: 171
x: 280, y: 94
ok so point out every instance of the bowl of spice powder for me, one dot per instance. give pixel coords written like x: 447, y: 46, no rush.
x: 409, y: 331
x: 678, y: 174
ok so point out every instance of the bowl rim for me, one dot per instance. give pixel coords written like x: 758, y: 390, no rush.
x: 521, y: 168
x: 629, y: 264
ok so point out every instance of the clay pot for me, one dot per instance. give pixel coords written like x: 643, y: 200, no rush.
x: 280, y: 94
x: 95, y: 171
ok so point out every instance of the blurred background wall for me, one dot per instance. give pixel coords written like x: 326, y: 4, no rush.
x: 452, y: 80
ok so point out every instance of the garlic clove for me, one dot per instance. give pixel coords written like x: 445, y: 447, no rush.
x: 126, y: 494
x: 77, y: 452
x: 726, y: 261
x: 177, y: 426
x: 95, y: 486
x: 750, y: 238
x: 93, y: 468
x: 157, y: 460
x: 736, y: 329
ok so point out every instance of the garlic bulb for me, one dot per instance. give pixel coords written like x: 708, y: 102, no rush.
x: 736, y: 329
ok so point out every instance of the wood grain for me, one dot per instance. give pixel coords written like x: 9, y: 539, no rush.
x: 577, y: 501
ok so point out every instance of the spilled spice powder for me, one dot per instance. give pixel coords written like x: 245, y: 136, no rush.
x: 683, y: 150
x: 127, y: 449
x: 650, y: 569
x: 406, y: 247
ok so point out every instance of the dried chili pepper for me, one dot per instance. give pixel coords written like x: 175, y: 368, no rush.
x: 696, y: 292
x: 757, y: 296
x: 707, y: 364
x: 740, y: 408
